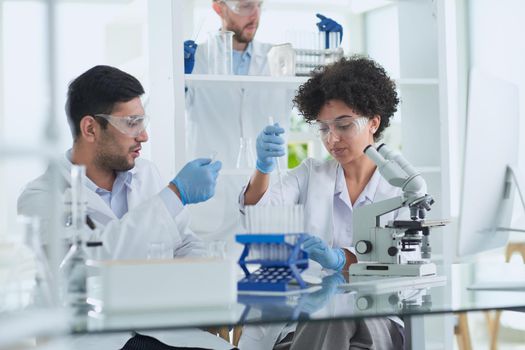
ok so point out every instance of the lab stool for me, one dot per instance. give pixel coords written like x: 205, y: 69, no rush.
x: 222, y: 332
x: 493, y: 321
x: 461, y: 330
x: 237, y: 332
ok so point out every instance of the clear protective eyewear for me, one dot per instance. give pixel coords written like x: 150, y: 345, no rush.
x: 132, y: 125
x: 342, y: 127
x: 243, y: 7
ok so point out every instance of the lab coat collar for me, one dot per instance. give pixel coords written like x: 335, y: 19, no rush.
x: 368, y: 193
x: 101, y: 212
x: 248, y: 52
x: 259, y: 61
x: 128, y: 175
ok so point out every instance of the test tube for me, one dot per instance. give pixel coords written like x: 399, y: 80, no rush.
x: 271, y: 121
x: 266, y: 250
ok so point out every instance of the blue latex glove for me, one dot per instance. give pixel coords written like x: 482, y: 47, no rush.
x: 196, y: 181
x: 269, y: 145
x: 318, y: 250
x: 189, y: 56
x: 328, y: 25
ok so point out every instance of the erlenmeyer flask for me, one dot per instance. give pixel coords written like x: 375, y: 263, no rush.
x: 245, y: 158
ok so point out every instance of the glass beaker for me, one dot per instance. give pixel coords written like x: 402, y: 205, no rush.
x: 220, y: 52
x: 245, y: 158
x: 281, y: 60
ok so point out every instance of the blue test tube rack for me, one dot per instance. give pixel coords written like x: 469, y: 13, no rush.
x: 276, y: 270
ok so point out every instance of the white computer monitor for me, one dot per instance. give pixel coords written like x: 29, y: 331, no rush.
x: 491, y: 147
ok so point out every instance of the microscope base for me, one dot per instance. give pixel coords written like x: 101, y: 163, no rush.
x: 377, y: 269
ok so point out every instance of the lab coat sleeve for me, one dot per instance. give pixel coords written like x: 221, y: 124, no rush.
x: 149, y: 222
x: 130, y: 236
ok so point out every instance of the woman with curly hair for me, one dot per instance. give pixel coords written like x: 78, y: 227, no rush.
x: 350, y: 103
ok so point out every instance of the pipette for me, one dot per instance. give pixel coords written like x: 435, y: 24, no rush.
x: 270, y: 120
x: 213, y: 155
x: 201, y: 24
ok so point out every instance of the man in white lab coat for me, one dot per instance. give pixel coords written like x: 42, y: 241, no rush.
x: 126, y: 197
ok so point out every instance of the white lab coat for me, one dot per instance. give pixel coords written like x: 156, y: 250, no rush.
x: 147, y: 220
x: 311, y: 184
x: 214, y: 116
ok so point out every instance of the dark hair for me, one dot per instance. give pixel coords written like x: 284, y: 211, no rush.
x: 96, y: 92
x: 358, y: 81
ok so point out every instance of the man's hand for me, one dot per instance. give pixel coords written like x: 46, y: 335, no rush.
x: 196, y: 181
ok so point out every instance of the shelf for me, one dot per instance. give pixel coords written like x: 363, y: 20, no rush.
x: 196, y: 80
x: 416, y: 81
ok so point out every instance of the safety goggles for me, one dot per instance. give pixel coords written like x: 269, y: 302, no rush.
x: 243, y: 7
x: 342, y: 127
x: 132, y: 125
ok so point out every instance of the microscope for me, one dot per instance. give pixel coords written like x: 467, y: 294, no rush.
x: 401, y: 247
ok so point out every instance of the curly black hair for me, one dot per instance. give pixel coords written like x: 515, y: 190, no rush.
x: 359, y: 82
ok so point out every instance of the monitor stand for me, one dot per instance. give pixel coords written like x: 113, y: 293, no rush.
x: 509, y: 286
x: 513, y: 175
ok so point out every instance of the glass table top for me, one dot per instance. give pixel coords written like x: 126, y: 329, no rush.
x: 458, y: 287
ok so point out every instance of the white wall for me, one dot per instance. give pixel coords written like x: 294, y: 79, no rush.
x: 497, y: 47
x: 88, y: 33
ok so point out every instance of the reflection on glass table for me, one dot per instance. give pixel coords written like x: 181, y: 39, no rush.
x: 331, y: 302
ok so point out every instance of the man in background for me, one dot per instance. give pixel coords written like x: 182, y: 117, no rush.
x: 226, y: 118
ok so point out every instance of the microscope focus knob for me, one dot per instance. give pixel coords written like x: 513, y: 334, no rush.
x: 363, y: 247
x: 365, y: 302
x: 392, y: 251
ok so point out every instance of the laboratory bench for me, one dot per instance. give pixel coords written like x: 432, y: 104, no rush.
x: 458, y: 288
